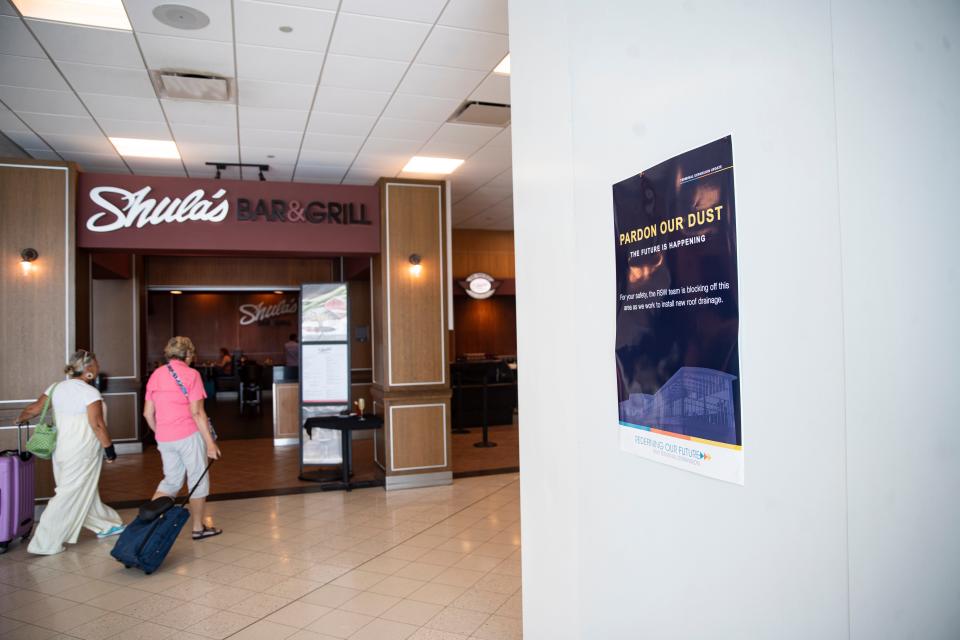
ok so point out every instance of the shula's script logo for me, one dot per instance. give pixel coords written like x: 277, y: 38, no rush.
x: 139, y: 210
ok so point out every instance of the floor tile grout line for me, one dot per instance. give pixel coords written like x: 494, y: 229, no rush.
x: 472, y: 504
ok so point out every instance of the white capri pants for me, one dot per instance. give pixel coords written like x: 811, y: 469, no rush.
x: 187, y: 456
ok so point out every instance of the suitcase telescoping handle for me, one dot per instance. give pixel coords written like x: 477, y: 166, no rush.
x: 199, y: 480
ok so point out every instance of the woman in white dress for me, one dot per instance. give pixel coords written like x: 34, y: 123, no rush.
x: 82, y: 443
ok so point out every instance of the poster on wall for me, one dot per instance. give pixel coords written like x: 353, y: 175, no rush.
x: 678, y: 367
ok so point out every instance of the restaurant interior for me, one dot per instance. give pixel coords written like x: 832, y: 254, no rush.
x: 241, y: 313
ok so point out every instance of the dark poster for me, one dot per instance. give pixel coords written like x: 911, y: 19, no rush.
x: 678, y: 370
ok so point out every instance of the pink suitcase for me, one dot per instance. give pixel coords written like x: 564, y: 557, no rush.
x: 16, y: 494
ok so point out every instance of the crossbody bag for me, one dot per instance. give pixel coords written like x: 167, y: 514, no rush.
x: 186, y: 394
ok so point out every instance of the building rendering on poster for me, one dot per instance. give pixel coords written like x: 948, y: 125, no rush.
x: 678, y: 368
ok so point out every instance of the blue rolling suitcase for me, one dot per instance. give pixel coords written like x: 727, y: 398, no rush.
x: 147, y: 540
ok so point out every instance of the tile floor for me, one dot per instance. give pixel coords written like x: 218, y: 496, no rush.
x: 428, y: 564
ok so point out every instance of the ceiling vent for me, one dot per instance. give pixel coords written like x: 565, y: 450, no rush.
x: 490, y: 114
x: 183, y: 85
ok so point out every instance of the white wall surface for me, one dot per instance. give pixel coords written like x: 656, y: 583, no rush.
x: 603, y: 90
x: 898, y: 117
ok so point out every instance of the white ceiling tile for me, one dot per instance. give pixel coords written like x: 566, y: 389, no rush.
x: 329, y: 5
x: 38, y: 73
x: 16, y: 39
x: 151, y: 130
x: 351, y: 72
x: 496, y: 88
x: 259, y: 23
x: 200, y: 113
x: 26, y: 139
x: 279, y: 119
x: 482, y: 15
x: 95, y: 161
x: 10, y: 122
x: 319, y: 173
x: 404, y: 129
x: 362, y: 177
x: 465, y: 134
x: 419, y: 10
x: 505, y: 180
x: 43, y: 154
x: 199, y: 153
x: 7, y: 9
x: 83, y: 144
x: 350, y: 101
x: 372, y: 37
x: 409, y: 107
x: 63, y: 103
x: 463, y: 48
x: 340, y: 124
x: 270, y: 138
x: 44, y: 123
x: 486, y: 197
x: 261, y: 155
x: 493, y: 156
x: 448, y: 149
x: 405, y: 148
x: 277, y: 173
x: 278, y: 65
x: 502, y: 140
x: 331, y: 143
x: 109, y: 80
x: 219, y: 12
x: 90, y: 45
x: 274, y: 95
x: 188, y: 54
x: 327, y: 158
x: 389, y: 165
x: 440, y: 82
x: 155, y: 166
x: 204, y: 134
x: 122, y: 107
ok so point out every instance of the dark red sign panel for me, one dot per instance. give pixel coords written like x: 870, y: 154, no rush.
x: 143, y: 213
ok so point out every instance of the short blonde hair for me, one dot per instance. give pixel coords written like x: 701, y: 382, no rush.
x: 79, y: 360
x: 179, y: 348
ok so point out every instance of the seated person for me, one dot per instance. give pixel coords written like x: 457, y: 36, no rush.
x: 225, y: 363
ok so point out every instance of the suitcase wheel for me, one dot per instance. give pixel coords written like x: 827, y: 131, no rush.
x: 25, y: 536
x: 126, y: 566
x: 3, y: 547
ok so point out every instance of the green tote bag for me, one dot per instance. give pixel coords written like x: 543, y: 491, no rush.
x: 44, y: 438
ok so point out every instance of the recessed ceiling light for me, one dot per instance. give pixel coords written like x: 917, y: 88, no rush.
x: 286, y: 29
x: 179, y: 16
x: 424, y: 164
x: 92, y: 13
x: 504, y: 67
x: 137, y: 148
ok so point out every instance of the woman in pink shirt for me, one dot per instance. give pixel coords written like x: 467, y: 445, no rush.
x: 174, y: 410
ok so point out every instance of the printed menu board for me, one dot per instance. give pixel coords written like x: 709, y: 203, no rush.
x: 325, y: 373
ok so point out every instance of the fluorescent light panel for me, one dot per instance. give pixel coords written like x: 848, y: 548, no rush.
x: 425, y: 164
x: 504, y: 67
x: 137, y: 148
x: 92, y: 13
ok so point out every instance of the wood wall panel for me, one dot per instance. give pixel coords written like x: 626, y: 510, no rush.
x: 37, y: 331
x: 114, y: 326
x: 417, y: 318
x: 418, y: 437
x: 485, y: 251
x: 123, y: 415
x: 359, y: 296
x: 287, y: 410
x: 230, y: 271
x: 485, y: 326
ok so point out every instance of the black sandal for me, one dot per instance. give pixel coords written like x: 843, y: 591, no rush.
x: 206, y: 532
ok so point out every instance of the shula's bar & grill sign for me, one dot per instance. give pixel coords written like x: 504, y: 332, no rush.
x: 173, y: 214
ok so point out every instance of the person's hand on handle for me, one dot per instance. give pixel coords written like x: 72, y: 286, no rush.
x: 213, y: 451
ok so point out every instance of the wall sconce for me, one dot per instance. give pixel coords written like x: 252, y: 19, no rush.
x: 415, y: 266
x: 176, y: 292
x: 27, y: 256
